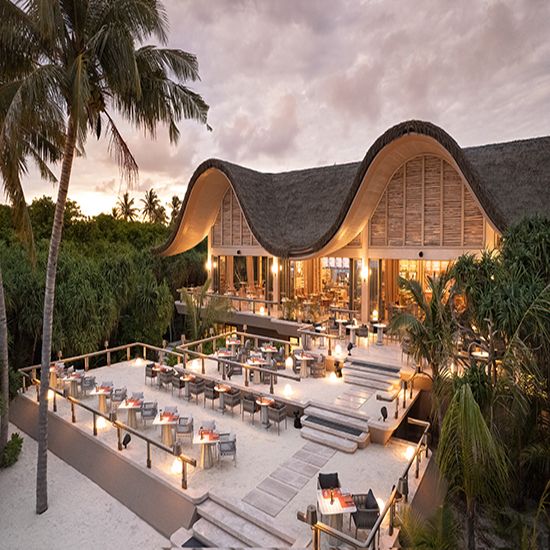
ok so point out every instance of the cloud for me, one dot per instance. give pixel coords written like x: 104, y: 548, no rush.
x: 297, y: 83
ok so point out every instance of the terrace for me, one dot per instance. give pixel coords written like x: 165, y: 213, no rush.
x: 275, y: 474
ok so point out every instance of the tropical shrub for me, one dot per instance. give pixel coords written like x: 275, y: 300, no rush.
x: 12, y: 450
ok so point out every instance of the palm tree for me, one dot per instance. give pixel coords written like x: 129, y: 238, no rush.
x: 175, y: 206
x: 151, y: 204
x: 159, y: 215
x: 127, y: 210
x: 203, y: 310
x: 470, y: 458
x: 81, y: 62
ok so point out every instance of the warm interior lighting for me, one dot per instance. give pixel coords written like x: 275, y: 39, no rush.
x: 364, y: 273
x: 375, y: 315
x: 262, y: 310
x: 332, y: 377
x: 101, y: 423
x: 338, y: 349
x: 409, y: 452
x: 208, y: 265
x: 287, y: 392
x: 289, y: 363
x: 274, y: 266
x: 51, y: 393
x: 176, y: 466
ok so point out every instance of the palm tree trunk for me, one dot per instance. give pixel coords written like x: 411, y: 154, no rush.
x: 47, y: 324
x: 4, y: 372
x: 471, y: 525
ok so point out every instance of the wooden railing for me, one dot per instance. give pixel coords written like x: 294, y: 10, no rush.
x: 30, y: 379
x: 398, y: 493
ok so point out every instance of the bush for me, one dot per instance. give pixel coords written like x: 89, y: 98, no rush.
x: 11, y: 451
x: 15, y: 383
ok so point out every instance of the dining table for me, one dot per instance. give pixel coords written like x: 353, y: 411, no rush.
x: 131, y: 406
x: 256, y: 362
x: 222, y: 389
x: 264, y: 403
x: 187, y: 378
x: 167, y: 422
x: 208, y: 440
x: 303, y: 358
x: 341, y: 323
x: 333, y: 504
x: 379, y: 333
x: 102, y: 392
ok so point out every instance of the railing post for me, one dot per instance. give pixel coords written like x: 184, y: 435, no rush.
x: 404, y: 384
x: 223, y: 370
x: 255, y: 342
x: 118, y: 435
x: 329, y: 347
x: 417, y: 472
x: 144, y: 352
x: 316, y: 538
x: 411, y: 385
x: 128, y: 353
x: 73, y: 414
x: 397, y: 406
x: 148, y: 454
x: 271, y: 391
x: 202, y: 365
x: 24, y: 382
x: 95, y: 424
x: 183, y: 474
x: 86, y: 363
x: 54, y: 401
x: 246, y: 376
x: 392, y: 518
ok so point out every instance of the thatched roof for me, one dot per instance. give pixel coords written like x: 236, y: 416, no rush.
x: 294, y: 213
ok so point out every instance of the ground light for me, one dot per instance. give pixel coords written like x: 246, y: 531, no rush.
x: 332, y: 377
x: 337, y: 350
x: 138, y: 362
x: 409, y: 452
x: 176, y: 466
x: 51, y: 393
x: 101, y: 423
x: 287, y: 392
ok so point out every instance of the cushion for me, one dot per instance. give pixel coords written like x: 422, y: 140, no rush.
x: 329, y: 481
x: 370, y: 502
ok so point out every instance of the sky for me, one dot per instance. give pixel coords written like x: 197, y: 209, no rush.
x: 300, y: 83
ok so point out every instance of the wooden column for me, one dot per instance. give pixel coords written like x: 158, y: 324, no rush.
x: 229, y: 273
x: 365, y: 296
x: 276, y: 274
x: 250, y: 272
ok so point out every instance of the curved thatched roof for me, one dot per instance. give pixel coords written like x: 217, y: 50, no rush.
x: 294, y: 213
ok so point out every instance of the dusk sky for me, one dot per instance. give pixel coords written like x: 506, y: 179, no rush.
x: 300, y: 83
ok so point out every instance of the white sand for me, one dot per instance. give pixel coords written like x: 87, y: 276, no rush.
x: 80, y: 515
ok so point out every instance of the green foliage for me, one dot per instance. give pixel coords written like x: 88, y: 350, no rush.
x: 110, y: 286
x: 439, y: 532
x: 12, y: 450
x: 15, y: 383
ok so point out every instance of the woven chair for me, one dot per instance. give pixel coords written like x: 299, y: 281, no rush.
x: 196, y: 388
x: 277, y: 413
x: 149, y: 372
x: 231, y: 399
x: 149, y: 411
x: 184, y: 427
x: 177, y: 383
x: 118, y: 396
x: 165, y: 379
x: 328, y: 481
x: 87, y: 384
x: 227, y: 446
x: 210, y: 393
x: 367, y: 511
x: 249, y: 405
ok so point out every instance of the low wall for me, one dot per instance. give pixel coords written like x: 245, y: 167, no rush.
x: 431, y: 491
x: 162, y: 506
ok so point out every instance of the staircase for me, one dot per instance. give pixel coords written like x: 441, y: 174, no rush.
x: 232, y: 524
x: 371, y: 376
x: 335, y: 428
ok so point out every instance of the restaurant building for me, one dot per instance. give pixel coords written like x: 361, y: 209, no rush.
x: 341, y: 235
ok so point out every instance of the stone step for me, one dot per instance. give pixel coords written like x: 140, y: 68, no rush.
x: 356, y: 361
x: 339, y: 417
x: 215, y: 537
x: 370, y: 373
x: 329, y: 440
x: 362, y: 440
x: 236, y: 524
x: 366, y: 383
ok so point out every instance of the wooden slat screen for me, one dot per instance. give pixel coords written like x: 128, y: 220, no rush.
x: 425, y: 203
